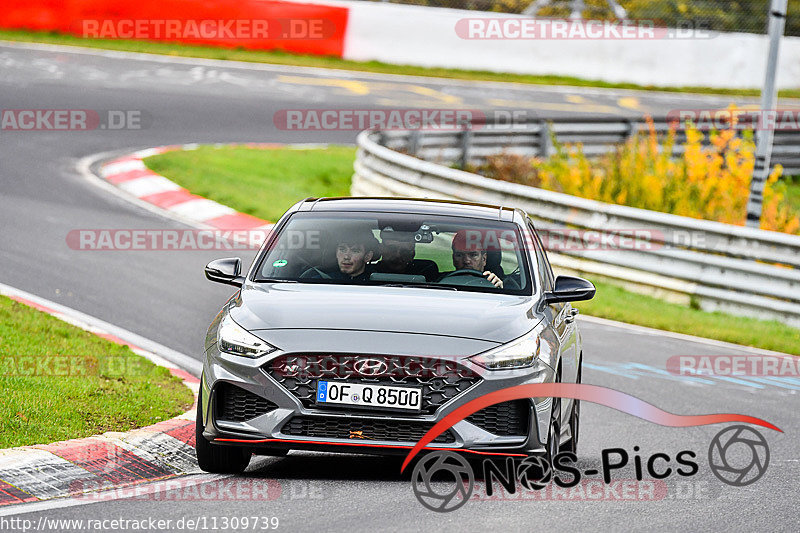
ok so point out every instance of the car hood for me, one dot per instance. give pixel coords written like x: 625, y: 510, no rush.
x: 469, y: 315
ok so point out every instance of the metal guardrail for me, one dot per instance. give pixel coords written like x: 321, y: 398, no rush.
x: 597, y: 135
x: 717, y: 266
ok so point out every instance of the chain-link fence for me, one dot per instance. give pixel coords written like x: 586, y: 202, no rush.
x: 723, y: 15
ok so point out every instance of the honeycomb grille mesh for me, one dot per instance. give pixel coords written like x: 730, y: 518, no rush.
x: 441, y: 380
x: 235, y: 404
x: 504, y: 419
x: 361, y: 429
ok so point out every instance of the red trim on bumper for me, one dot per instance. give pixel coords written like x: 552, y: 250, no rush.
x: 262, y: 441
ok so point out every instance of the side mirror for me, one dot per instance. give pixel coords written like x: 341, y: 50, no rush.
x: 570, y: 289
x: 226, y: 271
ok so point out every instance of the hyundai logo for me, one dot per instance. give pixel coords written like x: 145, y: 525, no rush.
x: 370, y: 367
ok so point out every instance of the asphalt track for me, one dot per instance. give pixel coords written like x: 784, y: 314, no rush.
x: 165, y: 297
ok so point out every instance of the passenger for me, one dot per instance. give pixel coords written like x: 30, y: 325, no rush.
x: 471, y: 256
x: 353, y: 251
x: 397, y: 256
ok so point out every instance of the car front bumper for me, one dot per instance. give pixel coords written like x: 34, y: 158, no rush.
x: 276, y: 428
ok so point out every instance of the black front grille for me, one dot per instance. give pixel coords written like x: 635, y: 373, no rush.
x: 505, y: 419
x: 441, y: 380
x: 235, y: 404
x: 359, y: 430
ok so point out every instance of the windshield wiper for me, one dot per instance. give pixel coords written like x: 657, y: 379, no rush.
x: 422, y: 285
x: 274, y: 280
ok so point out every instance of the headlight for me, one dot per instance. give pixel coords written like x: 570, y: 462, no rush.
x: 520, y: 354
x: 234, y: 339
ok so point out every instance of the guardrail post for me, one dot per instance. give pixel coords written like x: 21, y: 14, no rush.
x: 466, y: 138
x: 545, y: 141
x: 413, y: 142
x: 633, y: 127
x: 769, y: 101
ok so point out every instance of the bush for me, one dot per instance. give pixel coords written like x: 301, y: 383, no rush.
x: 709, y: 181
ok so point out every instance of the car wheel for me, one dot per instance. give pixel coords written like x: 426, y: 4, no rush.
x: 574, y: 425
x: 554, y: 433
x: 215, y: 458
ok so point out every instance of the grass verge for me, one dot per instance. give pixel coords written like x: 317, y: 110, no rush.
x: 61, y: 382
x: 615, y: 303
x: 262, y: 183
x: 793, y: 193
x: 265, y: 183
x: 278, y: 57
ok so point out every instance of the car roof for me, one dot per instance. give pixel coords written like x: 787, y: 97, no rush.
x: 426, y: 206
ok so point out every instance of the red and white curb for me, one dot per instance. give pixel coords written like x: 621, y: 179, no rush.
x: 113, y: 459
x: 98, y: 467
x: 129, y: 174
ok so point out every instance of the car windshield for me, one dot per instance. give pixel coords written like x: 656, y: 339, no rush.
x: 398, y: 249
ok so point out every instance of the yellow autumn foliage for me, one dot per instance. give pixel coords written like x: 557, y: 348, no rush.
x: 709, y: 181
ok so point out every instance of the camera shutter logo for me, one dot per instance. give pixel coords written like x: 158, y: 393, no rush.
x: 453, y: 468
x: 726, y: 455
x: 534, y: 472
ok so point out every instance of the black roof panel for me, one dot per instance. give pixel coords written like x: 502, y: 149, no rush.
x: 409, y: 205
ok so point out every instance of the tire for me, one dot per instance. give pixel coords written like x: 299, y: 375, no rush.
x: 574, y: 425
x: 554, y: 433
x: 215, y: 458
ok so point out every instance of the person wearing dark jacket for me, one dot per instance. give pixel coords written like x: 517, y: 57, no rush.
x: 353, y: 251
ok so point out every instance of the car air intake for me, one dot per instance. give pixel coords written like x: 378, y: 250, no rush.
x: 361, y: 429
x: 235, y: 404
x: 504, y: 419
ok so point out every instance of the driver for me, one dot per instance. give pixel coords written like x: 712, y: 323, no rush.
x: 468, y: 254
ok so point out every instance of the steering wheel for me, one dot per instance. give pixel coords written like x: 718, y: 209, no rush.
x: 469, y: 272
x: 308, y: 272
x: 464, y: 272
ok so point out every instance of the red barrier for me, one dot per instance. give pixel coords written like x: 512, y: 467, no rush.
x: 252, y: 24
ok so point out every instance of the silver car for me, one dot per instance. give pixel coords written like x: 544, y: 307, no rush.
x: 364, y: 321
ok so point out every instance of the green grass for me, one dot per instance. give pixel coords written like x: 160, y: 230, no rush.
x: 265, y: 183
x: 793, y: 193
x: 262, y: 183
x: 60, y: 382
x: 284, y: 58
x: 615, y: 303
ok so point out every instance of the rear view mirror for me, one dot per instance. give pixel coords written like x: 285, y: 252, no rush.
x: 570, y: 289
x: 226, y: 271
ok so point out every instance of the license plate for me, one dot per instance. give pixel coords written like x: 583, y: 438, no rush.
x: 365, y: 395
